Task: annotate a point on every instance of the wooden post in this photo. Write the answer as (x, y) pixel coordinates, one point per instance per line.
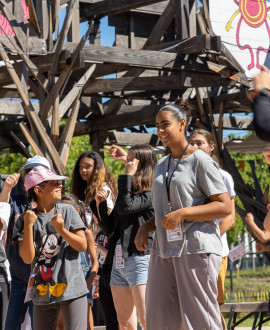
(97, 139)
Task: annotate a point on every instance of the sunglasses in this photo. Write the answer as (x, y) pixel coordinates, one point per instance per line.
(53, 183)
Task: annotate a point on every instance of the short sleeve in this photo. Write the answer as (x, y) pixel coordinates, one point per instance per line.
(76, 221)
(5, 212)
(228, 181)
(209, 176)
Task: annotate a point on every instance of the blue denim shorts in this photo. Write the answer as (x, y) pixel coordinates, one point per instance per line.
(135, 272)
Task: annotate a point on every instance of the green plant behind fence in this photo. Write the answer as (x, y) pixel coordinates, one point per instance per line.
(242, 297)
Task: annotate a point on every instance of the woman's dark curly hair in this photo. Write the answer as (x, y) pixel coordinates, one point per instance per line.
(142, 180)
(86, 191)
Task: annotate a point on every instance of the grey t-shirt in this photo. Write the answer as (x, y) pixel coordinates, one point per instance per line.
(195, 179)
(59, 272)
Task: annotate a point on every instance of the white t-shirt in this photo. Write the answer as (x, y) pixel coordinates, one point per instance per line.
(5, 214)
(228, 181)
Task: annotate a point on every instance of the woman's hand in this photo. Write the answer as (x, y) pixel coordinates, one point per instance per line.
(172, 219)
(101, 196)
(117, 153)
(58, 222)
(262, 80)
(131, 167)
(29, 218)
(141, 238)
(262, 248)
(249, 218)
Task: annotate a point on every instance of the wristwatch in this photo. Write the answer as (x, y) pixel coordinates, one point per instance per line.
(265, 91)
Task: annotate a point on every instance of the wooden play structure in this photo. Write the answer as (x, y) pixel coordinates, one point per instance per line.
(54, 81)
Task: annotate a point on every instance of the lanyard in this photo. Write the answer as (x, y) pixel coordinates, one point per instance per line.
(168, 179)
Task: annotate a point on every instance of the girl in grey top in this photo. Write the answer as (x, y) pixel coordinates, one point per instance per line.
(188, 194)
(53, 235)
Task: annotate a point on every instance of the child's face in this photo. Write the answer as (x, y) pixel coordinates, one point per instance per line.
(51, 190)
(86, 167)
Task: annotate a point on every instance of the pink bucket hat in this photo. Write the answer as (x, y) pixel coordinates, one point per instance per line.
(40, 174)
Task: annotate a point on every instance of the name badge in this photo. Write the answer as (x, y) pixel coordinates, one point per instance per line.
(119, 261)
(175, 234)
(237, 252)
(30, 286)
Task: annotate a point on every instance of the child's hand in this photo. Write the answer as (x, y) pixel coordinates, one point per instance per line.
(29, 218)
(101, 196)
(132, 166)
(117, 153)
(11, 181)
(58, 223)
(249, 218)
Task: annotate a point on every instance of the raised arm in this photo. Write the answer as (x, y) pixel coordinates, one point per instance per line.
(263, 236)
(75, 238)
(27, 248)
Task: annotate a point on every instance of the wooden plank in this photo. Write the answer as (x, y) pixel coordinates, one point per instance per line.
(245, 307)
(60, 40)
(31, 66)
(228, 73)
(200, 107)
(31, 140)
(64, 76)
(161, 26)
(74, 30)
(67, 134)
(55, 123)
(34, 117)
(42, 63)
(181, 18)
(111, 7)
(14, 108)
(56, 17)
(179, 81)
(33, 16)
(76, 90)
(129, 139)
(25, 150)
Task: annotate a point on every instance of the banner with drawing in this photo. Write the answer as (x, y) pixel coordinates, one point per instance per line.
(244, 27)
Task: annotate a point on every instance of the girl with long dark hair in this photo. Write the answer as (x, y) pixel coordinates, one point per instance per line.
(89, 176)
(133, 207)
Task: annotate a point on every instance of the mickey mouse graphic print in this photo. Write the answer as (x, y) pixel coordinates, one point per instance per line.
(57, 264)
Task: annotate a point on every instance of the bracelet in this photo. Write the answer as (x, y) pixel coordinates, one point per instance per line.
(265, 91)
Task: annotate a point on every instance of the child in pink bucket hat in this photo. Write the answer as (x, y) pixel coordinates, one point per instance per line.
(41, 174)
(52, 237)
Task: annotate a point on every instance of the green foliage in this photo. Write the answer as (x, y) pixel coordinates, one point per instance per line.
(11, 163)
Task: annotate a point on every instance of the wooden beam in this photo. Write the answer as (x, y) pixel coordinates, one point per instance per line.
(125, 138)
(25, 150)
(76, 90)
(111, 7)
(63, 79)
(42, 63)
(33, 16)
(32, 114)
(31, 140)
(179, 81)
(61, 39)
(67, 134)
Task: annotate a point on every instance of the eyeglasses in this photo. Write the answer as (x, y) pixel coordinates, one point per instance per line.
(197, 142)
(53, 183)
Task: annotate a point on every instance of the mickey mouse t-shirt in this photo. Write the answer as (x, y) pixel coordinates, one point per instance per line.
(59, 273)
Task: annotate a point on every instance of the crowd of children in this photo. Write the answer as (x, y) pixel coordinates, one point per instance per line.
(155, 240)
